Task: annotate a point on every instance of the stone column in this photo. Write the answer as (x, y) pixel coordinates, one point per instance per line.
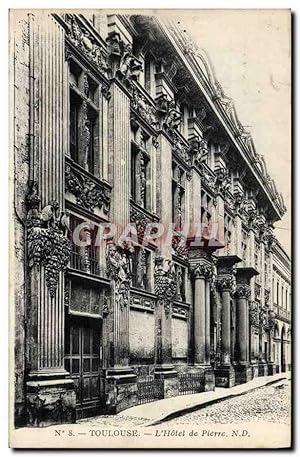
(207, 322)
(243, 370)
(202, 275)
(225, 376)
(49, 389)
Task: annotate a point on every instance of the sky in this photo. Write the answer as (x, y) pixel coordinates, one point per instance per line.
(250, 51)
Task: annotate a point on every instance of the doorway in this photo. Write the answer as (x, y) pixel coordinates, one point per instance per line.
(84, 362)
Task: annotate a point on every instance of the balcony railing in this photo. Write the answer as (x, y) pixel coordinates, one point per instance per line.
(83, 263)
(282, 313)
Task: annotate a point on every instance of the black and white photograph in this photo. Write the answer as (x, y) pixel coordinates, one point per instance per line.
(150, 228)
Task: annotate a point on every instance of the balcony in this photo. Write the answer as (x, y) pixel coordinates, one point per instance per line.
(84, 263)
(282, 313)
(85, 189)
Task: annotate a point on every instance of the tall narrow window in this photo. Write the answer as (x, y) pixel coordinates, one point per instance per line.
(227, 233)
(140, 171)
(178, 195)
(140, 269)
(147, 73)
(74, 116)
(84, 120)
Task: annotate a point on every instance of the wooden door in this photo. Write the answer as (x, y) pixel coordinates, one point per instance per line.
(83, 362)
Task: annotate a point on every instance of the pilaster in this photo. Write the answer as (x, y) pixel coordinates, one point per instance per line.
(50, 391)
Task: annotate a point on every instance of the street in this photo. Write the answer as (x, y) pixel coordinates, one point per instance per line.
(268, 404)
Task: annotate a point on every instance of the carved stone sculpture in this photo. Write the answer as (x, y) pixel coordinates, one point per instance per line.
(165, 282)
(47, 243)
(118, 269)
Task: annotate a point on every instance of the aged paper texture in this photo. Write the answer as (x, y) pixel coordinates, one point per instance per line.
(150, 294)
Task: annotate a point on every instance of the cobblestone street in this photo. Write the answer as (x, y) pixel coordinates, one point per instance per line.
(269, 404)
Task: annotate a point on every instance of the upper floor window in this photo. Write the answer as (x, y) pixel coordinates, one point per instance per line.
(227, 232)
(178, 195)
(84, 119)
(140, 268)
(180, 275)
(277, 293)
(244, 246)
(84, 258)
(206, 210)
(140, 171)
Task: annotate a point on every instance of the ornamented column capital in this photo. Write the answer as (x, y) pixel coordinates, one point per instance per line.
(226, 283)
(243, 291)
(202, 270)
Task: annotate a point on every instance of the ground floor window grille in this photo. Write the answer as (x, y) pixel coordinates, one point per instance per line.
(150, 389)
(191, 383)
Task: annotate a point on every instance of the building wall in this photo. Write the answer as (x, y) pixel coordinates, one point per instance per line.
(111, 132)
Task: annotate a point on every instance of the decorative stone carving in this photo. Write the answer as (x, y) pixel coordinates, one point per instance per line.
(226, 282)
(239, 201)
(38, 410)
(257, 291)
(142, 302)
(263, 318)
(118, 269)
(165, 282)
(47, 244)
(267, 296)
(223, 181)
(127, 66)
(169, 115)
(179, 246)
(86, 43)
(271, 320)
(254, 314)
(202, 270)
(89, 194)
(180, 311)
(199, 150)
(243, 291)
(141, 218)
(181, 150)
(145, 109)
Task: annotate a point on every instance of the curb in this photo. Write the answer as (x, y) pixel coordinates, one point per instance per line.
(198, 406)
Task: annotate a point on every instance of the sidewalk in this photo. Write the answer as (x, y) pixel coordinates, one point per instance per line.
(169, 408)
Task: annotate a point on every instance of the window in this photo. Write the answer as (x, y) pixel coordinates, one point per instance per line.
(147, 73)
(180, 276)
(178, 194)
(227, 233)
(206, 212)
(282, 292)
(84, 258)
(244, 246)
(83, 119)
(277, 293)
(140, 171)
(140, 269)
(286, 299)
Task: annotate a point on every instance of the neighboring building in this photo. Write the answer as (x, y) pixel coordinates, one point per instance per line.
(120, 119)
(281, 300)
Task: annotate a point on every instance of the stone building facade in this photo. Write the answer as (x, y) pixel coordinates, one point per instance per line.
(120, 119)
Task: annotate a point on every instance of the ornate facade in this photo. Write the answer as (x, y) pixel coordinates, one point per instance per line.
(120, 119)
